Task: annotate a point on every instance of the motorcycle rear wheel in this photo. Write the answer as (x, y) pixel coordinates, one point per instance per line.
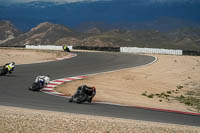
(3, 72)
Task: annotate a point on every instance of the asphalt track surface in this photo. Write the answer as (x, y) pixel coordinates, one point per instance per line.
(14, 88)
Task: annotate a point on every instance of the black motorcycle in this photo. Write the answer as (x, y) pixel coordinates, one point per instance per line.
(4, 71)
(82, 95)
(37, 86)
(78, 97)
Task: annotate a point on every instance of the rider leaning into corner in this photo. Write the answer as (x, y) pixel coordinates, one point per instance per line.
(40, 82)
(10, 67)
(44, 79)
(89, 91)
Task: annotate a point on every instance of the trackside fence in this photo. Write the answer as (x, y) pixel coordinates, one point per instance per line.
(151, 51)
(46, 47)
(120, 49)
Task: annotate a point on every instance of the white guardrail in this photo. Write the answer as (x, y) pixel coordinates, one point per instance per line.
(46, 47)
(122, 49)
(151, 51)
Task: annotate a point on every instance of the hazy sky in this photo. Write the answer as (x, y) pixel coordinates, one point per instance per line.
(22, 1)
(26, 1)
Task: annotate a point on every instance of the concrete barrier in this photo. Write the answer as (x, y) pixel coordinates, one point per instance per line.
(46, 47)
(120, 49)
(191, 52)
(97, 48)
(151, 50)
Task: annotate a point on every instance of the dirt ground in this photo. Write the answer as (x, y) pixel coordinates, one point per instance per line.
(24, 56)
(18, 120)
(127, 86)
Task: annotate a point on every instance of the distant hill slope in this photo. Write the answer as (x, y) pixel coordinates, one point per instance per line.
(43, 34)
(7, 31)
(53, 34)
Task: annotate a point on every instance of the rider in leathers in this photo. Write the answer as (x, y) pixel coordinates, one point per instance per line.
(90, 91)
(43, 79)
(10, 67)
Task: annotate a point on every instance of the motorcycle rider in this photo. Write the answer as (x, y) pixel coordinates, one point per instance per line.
(43, 79)
(65, 48)
(89, 91)
(40, 82)
(10, 67)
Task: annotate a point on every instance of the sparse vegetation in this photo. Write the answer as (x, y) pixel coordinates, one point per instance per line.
(150, 96)
(179, 87)
(144, 94)
(169, 92)
(190, 98)
(190, 101)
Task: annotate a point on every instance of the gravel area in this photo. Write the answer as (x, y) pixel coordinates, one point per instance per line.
(19, 120)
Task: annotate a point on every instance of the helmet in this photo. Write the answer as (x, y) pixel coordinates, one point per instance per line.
(13, 63)
(94, 88)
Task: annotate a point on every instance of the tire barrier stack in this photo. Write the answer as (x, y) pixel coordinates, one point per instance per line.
(121, 49)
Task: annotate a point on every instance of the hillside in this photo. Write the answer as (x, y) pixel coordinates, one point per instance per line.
(46, 33)
(7, 31)
(43, 34)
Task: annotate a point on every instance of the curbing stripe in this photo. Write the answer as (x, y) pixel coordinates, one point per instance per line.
(52, 83)
(50, 87)
(56, 83)
(67, 57)
(47, 89)
(66, 79)
(61, 81)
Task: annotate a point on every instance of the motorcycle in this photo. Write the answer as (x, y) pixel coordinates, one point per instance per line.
(78, 97)
(37, 86)
(66, 49)
(81, 96)
(4, 71)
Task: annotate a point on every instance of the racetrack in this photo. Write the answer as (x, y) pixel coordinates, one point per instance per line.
(14, 88)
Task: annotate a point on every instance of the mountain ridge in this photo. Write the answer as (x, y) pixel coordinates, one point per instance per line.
(54, 34)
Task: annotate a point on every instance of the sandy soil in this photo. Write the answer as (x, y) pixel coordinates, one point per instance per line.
(24, 56)
(126, 86)
(18, 120)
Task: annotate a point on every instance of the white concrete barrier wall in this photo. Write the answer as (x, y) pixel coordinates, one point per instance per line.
(122, 49)
(151, 51)
(46, 47)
